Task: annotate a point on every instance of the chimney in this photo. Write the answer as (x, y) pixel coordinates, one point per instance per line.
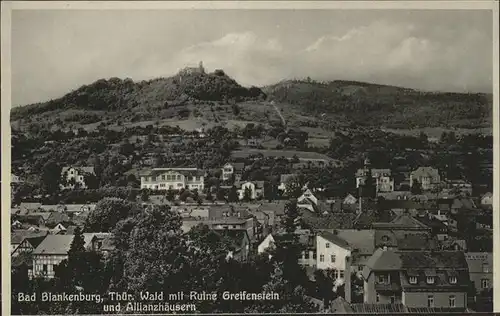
(347, 279)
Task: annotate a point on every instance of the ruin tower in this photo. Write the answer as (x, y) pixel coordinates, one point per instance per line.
(201, 68)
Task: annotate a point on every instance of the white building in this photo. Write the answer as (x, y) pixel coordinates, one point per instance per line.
(173, 179)
(331, 253)
(230, 169)
(256, 189)
(75, 177)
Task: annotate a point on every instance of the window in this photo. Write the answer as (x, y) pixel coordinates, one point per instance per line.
(306, 255)
(413, 280)
(332, 258)
(485, 283)
(360, 268)
(453, 280)
(335, 274)
(378, 298)
(451, 300)
(327, 245)
(163, 177)
(341, 274)
(385, 238)
(45, 268)
(430, 301)
(393, 299)
(321, 258)
(381, 279)
(486, 268)
(430, 280)
(314, 255)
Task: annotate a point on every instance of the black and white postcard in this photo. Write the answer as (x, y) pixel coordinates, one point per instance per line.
(249, 157)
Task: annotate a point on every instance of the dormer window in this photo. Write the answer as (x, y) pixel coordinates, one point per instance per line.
(453, 280)
(430, 280)
(413, 280)
(385, 238)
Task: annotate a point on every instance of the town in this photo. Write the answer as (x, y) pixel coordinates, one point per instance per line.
(370, 222)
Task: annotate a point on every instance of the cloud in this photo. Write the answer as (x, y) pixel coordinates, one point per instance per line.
(49, 60)
(389, 53)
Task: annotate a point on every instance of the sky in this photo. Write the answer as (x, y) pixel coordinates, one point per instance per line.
(56, 51)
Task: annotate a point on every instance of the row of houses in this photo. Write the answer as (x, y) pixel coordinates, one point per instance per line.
(397, 263)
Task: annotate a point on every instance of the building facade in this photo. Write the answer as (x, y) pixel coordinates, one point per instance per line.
(428, 177)
(75, 177)
(173, 179)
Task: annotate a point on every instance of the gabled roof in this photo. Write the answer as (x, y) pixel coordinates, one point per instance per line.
(425, 171)
(402, 221)
(335, 239)
(237, 166)
(361, 240)
(383, 260)
(59, 244)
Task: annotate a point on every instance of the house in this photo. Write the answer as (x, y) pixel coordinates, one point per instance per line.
(30, 219)
(173, 179)
(75, 177)
(390, 234)
(58, 218)
(284, 179)
(232, 168)
(480, 269)
(461, 186)
(331, 253)
(428, 177)
(240, 243)
(307, 198)
(362, 243)
(15, 179)
(18, 237)
(29, 244)
(438, 227)
(382, 177)
(256, 189)
(52, 250)
(350, 200)
(224, 219)
(306, 239)
(417, 279)
(487, 199)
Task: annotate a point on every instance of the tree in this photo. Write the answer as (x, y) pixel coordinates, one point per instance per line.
(91, 181)
(170, 195)
(145, 195)
(51, 175)
(108, 212)
(289, 221)
(233, 195)
(293, 187)
(416, 187)
(247, 194)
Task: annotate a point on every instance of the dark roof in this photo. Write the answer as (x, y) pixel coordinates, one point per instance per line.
(402, 221)
(58, 217)
(416, 242)
(433, 260)
(385, 238)
(35, 241)
(335, 239)
(383, 260)
(361, 240)
(378, 308)
(341, 306)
